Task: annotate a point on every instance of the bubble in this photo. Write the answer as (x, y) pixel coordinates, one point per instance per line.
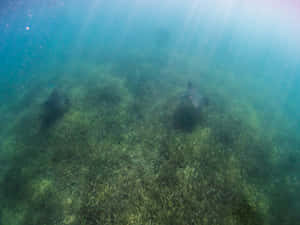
(27, 28)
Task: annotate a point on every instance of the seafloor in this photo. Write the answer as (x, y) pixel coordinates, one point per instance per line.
(117, 155)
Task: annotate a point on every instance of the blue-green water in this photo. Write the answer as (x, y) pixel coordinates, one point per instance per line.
(94, 129)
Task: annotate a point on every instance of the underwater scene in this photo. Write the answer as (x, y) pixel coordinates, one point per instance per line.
(142, 112)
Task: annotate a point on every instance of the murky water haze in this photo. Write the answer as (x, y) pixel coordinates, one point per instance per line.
(251, 41)
(245, 55)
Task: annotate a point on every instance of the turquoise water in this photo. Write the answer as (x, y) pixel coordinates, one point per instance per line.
(92, 125)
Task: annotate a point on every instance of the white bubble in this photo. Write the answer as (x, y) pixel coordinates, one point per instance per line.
(27, 28)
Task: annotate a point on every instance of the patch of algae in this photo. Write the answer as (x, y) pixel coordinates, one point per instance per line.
(40, 187)
(13, 217)
(114, 158)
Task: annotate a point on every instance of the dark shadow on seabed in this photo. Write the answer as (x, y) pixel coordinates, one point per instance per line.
(115, 155)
